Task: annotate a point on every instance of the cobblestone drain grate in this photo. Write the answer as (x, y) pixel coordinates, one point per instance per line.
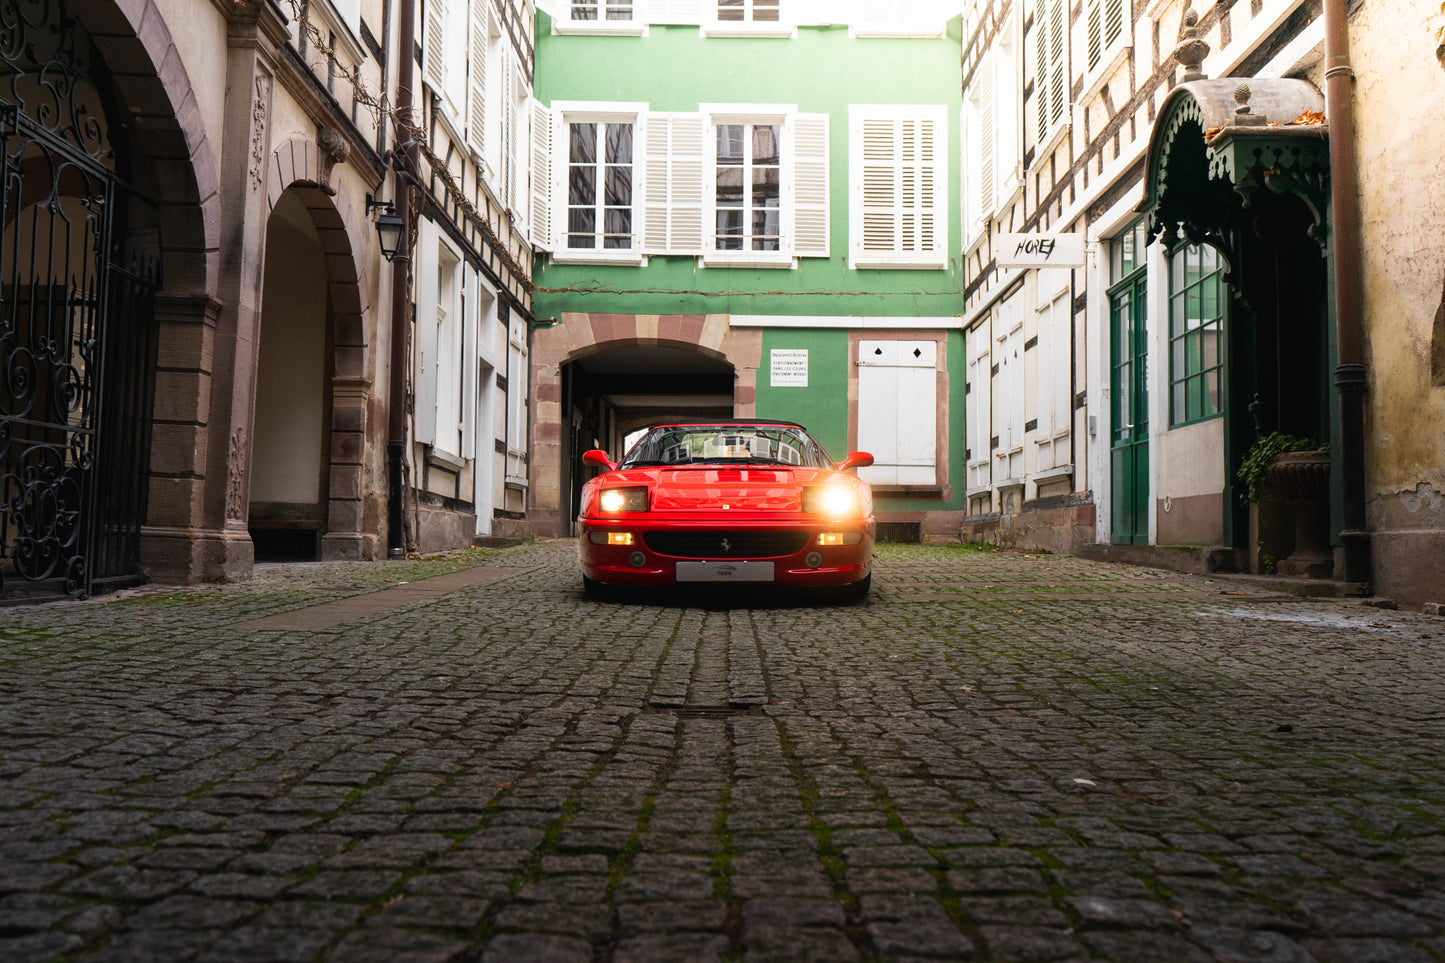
(706, 712)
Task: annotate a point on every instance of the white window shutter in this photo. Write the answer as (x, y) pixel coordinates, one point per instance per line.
(471, 326)
(680, 11)
(434, 48)
(427, 299)
(477, 78)
(987, 114)
(898, 410)
(672, 188)
(542, 177)
(656, 145)
(512, 148)
(877, 190)
(809, 209)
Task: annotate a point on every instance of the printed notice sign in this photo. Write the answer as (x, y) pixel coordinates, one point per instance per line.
(789, 368)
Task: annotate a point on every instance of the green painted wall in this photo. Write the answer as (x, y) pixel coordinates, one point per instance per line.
(821, 71)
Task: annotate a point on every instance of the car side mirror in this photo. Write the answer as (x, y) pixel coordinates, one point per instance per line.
(858, 459)
(599, 459)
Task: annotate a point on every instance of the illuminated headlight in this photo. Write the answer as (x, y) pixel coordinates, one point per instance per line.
(623, 500)
(610, 538)
(840, 538)
(833, 501)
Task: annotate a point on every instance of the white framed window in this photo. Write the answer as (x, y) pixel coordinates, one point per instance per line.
(599, 186)
(747, 18)
(899, 165)
(622, 18)
(440, 329)
(898, 411)
(991, 135)
(1051, 92)
(1054, 374)
(765, 189)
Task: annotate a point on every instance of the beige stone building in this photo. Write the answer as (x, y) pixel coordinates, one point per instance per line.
(211, 356)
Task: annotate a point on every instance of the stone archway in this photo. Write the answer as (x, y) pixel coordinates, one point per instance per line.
(301, 168)
(578, 336)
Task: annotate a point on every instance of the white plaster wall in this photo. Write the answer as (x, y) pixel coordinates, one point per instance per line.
(286, 459)
(1191, 459)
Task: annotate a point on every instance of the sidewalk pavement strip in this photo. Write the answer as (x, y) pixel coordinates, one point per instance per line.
(997, 756)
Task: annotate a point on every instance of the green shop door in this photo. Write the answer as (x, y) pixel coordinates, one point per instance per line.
(1129, 444)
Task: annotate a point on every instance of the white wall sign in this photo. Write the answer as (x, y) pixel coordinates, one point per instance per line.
(788, 368)
(1040, 250)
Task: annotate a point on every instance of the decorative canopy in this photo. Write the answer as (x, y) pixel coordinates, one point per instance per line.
(1239, 135)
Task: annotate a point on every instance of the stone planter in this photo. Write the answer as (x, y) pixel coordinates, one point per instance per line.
(1301, 479)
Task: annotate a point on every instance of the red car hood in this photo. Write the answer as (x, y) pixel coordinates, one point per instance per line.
(759, 489)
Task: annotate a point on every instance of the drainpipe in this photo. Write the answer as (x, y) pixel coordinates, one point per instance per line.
(1350, 370)
(403, 164)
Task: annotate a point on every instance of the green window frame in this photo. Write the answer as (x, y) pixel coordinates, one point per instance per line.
(1197, 303)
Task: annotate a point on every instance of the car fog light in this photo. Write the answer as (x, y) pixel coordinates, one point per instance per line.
(610, 538)
(814, 559)
(637, 560)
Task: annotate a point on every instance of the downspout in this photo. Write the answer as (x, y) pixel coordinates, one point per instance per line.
(404, 166)
(1350, 369)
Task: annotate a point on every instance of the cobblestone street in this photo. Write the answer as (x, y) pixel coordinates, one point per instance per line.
(996, 757)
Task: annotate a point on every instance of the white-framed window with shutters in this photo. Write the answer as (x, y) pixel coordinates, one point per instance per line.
(618, 17)
(445, 41)
(1054, 377)
(991, 134)
(595, 154)
(898, 409)
(1105, 39)
(1051, 89)
(978, 412)
(765, 186)
(441, 327)
(898, 215)
(498, 61)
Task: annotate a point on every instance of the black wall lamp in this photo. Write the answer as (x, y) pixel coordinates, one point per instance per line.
(388, 225)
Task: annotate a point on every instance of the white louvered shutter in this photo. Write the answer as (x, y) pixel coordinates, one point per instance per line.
(679, 11)
(471, 327)
(427, 301)
(878, 186)
(672, 194)
(542, 177)
(809, 209)
(987, 114)
(477, 78)
(512, 150)
(434, 48)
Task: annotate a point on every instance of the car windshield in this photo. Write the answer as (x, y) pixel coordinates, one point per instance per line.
(726, 444)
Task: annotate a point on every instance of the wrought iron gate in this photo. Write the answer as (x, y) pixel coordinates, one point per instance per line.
(77, 328)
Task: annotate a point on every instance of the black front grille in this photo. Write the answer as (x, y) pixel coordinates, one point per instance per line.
(726, 544)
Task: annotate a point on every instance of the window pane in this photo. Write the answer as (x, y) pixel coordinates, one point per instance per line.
(765, 10)
(583, 149)
(618, 187)
(618, 225)
(765, 144)
(581, 185)
(730, 230)
(581, 223)
(730, 10)
(730, 143)
(730, 187)
(1179, 412)
(619, 11)
(619, 143)
(766, 189)
(765, 230)
(584, 10)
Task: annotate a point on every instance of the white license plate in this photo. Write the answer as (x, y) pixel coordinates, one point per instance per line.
(724, 571)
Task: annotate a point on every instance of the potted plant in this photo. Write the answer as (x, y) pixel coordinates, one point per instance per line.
(1295, 471)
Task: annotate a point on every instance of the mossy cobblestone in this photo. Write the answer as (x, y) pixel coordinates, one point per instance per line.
(997, 756)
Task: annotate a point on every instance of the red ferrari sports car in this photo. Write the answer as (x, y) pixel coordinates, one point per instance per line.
(727, 501)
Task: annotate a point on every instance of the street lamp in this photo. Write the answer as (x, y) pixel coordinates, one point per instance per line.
(388, 225)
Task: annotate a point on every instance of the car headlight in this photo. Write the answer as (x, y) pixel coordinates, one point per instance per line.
(831, 500)
(623, 500)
